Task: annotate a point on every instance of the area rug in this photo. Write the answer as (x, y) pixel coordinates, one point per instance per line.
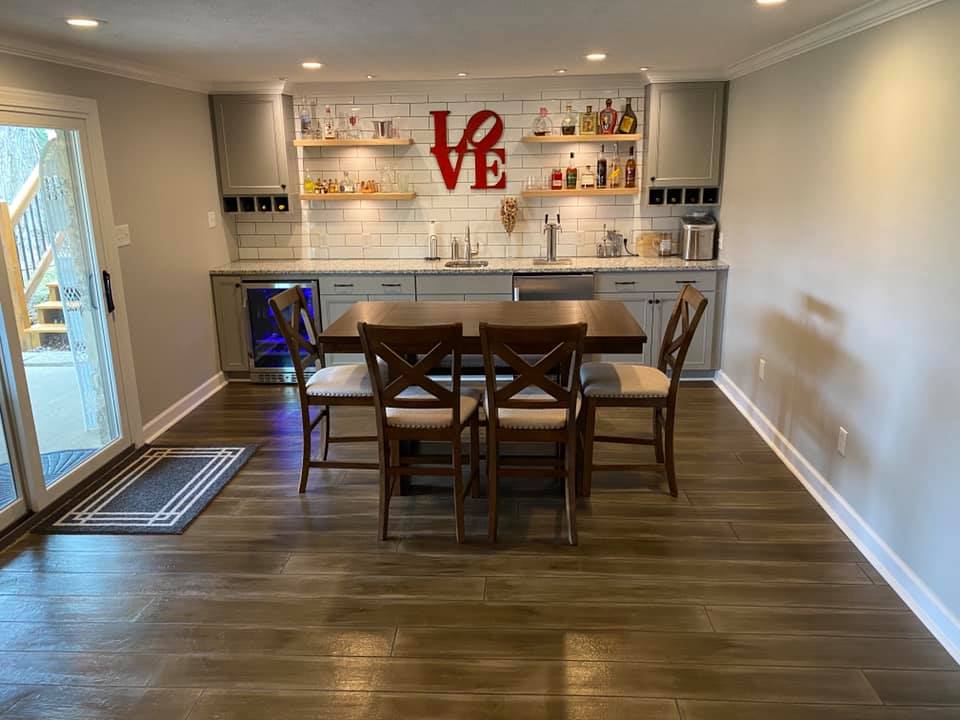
(158, 491)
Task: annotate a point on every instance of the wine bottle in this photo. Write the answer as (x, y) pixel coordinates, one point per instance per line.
(630, 173)
(628, 122)
(602, 168)
(571, 174)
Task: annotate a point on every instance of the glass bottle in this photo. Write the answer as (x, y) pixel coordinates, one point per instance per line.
(556, 179)
(306, 122)
(602, 168)
(347, 185)
(588, 122)
(309, 187)
(571, 174)
(588, 180)
(628, 123)
(608, 119)
(568, 126)
(329, 124)
(630, 174)
(542, 125)
(615, 173)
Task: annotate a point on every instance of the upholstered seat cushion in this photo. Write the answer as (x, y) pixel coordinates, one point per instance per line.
(340, 381)
(531, 418)
(622, 380)
(432, 418)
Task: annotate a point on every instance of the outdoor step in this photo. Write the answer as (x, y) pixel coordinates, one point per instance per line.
(47, 328)
(50, 305)
(53, 288)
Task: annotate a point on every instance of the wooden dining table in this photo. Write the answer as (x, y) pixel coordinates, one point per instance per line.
(610, 326)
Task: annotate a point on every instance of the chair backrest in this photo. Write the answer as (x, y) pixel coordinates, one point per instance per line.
(679, 332)
(533, 355)
(291, 311)
(408, 355)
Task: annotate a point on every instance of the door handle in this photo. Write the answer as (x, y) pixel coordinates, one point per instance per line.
(108, 292)
(343, 285)
(389, 285)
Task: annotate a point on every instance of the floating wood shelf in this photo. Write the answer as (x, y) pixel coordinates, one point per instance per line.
(336, 197)
(355, 142)
(581, 138)
(583, 192)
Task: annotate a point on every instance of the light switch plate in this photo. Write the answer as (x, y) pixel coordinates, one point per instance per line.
(121, 235)
(211, 219)
(842, 442)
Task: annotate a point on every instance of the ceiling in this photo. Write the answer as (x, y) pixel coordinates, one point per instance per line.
(211, 42)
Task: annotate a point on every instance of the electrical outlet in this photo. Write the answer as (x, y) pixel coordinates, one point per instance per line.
(842, 442)
(121, 235)
(762, 370)
(211, 219)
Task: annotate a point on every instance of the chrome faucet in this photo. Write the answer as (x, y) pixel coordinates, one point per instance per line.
(469, 252)
(552, 231)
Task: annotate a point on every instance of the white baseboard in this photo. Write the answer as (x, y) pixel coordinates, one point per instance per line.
(936, 616)
(173, 414)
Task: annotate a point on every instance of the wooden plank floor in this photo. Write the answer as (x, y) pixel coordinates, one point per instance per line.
(739, 599)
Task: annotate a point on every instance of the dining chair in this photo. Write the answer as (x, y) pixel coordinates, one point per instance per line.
(412, 406)
(627, 385)
(537, 404)
(319, 385)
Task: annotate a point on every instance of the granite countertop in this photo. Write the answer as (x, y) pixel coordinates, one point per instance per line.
(436, 267)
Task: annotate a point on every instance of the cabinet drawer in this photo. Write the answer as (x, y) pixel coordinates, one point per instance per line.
(658, 281)
(367, 284)
(461, 284)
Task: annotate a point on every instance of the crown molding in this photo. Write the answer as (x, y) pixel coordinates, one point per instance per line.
(131, 71)
(851, 23)
(663, 76)
(242, 88)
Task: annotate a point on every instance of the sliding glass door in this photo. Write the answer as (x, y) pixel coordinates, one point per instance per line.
(61, 377)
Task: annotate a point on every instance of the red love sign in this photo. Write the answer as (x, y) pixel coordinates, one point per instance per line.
(441, 150)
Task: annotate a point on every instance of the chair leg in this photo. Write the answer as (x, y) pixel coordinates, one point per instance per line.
(570, 488)
(457, 461)
(386, 490)
(658, 435)
(475, 456)
(668, 450)
(492, 465)
(589, 412)
(305, 462)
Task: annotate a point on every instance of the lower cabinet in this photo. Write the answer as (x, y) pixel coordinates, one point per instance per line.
(232, 327)
(333, 306)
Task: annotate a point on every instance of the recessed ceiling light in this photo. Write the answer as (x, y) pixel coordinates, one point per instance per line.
(644, 69)
(561, 71)
(596, 56)
(461, 74)
(84, 22)
(771, 2)
(312, 65)
(370, 76)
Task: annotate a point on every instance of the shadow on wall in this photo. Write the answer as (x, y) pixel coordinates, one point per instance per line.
(805, 356)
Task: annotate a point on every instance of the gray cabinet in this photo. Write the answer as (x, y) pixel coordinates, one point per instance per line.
(640, 305)
(684, 134)
(231, 323)
(700, 353)
(333, 306)
(254, 151)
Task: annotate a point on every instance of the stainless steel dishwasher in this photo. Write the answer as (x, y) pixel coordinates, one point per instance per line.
(559, 286)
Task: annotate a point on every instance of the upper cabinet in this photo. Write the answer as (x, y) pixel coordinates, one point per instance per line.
(253, 149)
(685, 123)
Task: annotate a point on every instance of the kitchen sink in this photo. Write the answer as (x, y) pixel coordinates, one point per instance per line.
(466, 263)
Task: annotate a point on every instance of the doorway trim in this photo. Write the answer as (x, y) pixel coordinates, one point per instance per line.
(39, 104)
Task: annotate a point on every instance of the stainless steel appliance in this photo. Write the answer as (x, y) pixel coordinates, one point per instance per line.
(270, 360)
(561, 286)
(699, 232)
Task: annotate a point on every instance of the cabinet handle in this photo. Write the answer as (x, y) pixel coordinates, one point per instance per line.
(649, 302)
(685, 282)
(656, 302)
(632, 282)
(391, 285)
(344, 285)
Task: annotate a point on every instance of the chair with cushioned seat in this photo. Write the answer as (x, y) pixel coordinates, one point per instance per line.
(412, 406)
(533, 406)
(326, 387)
(623, 385)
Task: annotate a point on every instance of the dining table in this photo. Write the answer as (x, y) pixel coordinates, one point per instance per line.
(611, 328)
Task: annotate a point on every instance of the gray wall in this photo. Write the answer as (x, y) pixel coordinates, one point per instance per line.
(159, 154)
(842, 183)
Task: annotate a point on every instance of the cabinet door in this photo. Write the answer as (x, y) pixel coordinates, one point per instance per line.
(700, 354)
(641, 306)
(331, 308)
(251, 144)
(231, 323)
(684, 133)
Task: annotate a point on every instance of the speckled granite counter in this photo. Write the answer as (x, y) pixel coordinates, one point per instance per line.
(436, 267)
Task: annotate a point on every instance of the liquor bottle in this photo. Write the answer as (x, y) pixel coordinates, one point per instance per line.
(306, 122)
(602, 168)
(630, 174)
(628, 123)
(568, 126)
(588, 181)
(309, 187)
(608, 119)
(556, 179)
(571, 174)
(588, 122)
(347, 185)
(615, 173)
(329, 124)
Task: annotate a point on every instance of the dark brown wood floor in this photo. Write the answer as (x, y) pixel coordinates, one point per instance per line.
(739, 599)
